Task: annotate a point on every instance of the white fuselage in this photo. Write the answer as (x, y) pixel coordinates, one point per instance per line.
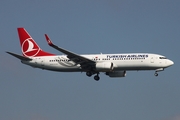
(132, 61)
(113, 65)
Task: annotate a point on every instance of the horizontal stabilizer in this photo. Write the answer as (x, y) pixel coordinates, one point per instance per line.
(19, 56)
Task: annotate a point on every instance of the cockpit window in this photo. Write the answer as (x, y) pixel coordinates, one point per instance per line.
(162, 58)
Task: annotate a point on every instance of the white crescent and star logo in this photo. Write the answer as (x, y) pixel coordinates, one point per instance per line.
(29, 48)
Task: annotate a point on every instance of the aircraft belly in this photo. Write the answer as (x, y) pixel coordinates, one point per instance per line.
(57, 67)
(139, 65)
(134, 68)
(65, 70)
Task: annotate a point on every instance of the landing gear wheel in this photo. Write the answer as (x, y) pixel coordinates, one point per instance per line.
(96, 77)
(156, 74)
(89, 74)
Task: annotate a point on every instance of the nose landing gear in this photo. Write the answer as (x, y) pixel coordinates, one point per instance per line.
(158, 70)
(156, 74)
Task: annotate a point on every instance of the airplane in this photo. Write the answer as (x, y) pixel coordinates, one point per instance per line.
(113, 65)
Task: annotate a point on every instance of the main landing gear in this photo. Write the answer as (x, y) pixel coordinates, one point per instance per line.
(96, 77)
(89, 74)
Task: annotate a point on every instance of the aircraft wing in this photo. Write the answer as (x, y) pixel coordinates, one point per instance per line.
(19, 56)
(83, 61)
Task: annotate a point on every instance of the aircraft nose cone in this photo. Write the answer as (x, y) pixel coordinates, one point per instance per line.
(171, 63)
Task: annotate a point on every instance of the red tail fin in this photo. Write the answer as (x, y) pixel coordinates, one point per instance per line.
(29, 47)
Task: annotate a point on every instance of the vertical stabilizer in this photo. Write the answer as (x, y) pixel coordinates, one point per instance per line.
(28, 46)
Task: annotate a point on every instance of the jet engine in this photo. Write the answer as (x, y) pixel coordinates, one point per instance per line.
(116, 74)
(104, 66)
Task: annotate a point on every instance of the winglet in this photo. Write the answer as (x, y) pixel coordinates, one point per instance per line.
(48, 40)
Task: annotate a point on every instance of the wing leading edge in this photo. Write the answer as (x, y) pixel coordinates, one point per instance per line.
(83, 61)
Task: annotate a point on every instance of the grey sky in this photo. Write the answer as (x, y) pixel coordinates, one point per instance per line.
(107, 26)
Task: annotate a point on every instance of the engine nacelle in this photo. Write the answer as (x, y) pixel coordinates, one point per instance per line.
(104, 66)
(116, 74)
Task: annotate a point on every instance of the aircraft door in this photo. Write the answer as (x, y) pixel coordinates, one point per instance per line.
(152, 60)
